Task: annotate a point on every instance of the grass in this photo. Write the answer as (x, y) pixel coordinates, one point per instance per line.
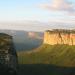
(48, 60)
(59, 55)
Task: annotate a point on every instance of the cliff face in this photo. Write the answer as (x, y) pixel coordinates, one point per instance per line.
(53, 37)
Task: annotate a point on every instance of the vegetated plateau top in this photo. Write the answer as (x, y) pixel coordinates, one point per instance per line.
(61, 31)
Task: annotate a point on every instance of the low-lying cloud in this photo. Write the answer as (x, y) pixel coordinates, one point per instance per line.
(34, 35)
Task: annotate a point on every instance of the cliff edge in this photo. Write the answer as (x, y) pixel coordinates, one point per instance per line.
(58, 49)
(59, 36)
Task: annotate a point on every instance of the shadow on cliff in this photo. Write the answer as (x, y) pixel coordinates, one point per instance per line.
(40, 69)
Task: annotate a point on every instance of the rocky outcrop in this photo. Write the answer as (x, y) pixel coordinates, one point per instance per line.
(59, 36)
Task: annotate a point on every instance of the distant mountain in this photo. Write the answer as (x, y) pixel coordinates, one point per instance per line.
(23, 41)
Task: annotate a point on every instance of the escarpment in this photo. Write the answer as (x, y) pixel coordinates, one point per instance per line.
(59, 36)
(58, 49)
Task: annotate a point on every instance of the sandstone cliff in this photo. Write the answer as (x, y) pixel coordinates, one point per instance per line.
(59, 36)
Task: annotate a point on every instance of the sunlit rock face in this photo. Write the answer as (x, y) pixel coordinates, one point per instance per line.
(59, 36)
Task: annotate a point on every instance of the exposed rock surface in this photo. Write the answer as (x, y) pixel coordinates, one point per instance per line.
(59, 36)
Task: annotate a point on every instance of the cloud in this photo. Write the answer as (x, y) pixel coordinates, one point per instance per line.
(34, 35)
(60, 5)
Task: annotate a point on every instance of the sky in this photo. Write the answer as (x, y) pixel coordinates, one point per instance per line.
(60, 11)
(22, 10)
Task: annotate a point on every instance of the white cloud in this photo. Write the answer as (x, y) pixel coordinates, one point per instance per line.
(60, 5)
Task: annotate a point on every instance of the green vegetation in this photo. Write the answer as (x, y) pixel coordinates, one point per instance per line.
(59, 55)
(61, 31)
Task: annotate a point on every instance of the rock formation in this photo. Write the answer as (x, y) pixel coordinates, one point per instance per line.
(59, 36)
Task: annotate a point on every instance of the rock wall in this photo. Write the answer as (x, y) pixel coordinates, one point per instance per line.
(53, 37)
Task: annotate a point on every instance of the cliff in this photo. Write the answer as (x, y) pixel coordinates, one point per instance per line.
(59, 36)
(53, 51)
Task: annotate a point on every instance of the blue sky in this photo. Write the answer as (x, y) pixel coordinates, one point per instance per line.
(22, 9)
(60, 11)
(11, 10)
